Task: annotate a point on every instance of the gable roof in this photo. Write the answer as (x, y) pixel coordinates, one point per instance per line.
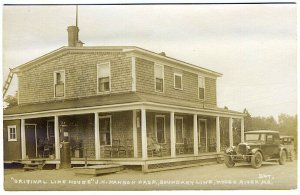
(125, 49)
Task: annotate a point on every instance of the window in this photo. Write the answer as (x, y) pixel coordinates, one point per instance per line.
(179, 129)
(201, 87)
(160, 128)
(177, 81)
(12, 133)
(105, 130)
(269, 139)
(159, 77)
(59, 83)
(103, 75)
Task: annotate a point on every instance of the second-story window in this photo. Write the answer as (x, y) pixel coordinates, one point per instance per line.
(201, 87)
(103, 75)
(59, 83)
(159, 77)
(177, 81)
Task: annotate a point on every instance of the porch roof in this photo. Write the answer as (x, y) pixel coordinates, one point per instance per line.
(111, 99)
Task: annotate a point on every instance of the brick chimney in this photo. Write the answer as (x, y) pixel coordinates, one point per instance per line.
(73, 32)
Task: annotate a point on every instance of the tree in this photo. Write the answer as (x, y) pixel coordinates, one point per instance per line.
(11, 100)
(247, 120)
(287, 125)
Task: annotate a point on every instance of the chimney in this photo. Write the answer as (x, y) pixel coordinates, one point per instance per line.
(73, 36)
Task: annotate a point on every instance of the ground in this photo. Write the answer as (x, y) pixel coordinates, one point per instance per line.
(217, 176)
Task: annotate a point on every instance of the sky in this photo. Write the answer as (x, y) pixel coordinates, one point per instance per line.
(252, 45)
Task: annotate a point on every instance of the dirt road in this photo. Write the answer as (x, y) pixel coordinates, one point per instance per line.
(269, 176)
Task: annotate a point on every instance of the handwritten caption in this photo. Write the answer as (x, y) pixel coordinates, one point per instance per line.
(262, 179)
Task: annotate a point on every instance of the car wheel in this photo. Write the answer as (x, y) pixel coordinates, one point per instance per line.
(282, 157)
(228, 162)
(256, 160)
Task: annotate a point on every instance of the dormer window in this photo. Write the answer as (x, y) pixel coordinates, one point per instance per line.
(103, 75)
(201, 87)
(59, 83)
(159, 77)
(177, 81)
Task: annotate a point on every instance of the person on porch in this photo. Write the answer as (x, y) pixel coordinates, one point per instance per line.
(153, 144)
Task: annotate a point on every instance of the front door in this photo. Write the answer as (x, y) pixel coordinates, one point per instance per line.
(31, 141)
(105, 130)
(160, 129)
(202, 135)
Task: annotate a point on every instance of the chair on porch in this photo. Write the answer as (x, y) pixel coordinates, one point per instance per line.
(115, 148)
(188, 145)
(212, 144)
(46, 148)
(180, 148)
(128, 147)
(156, 149)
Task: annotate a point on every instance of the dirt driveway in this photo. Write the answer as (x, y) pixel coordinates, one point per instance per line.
(269, 176)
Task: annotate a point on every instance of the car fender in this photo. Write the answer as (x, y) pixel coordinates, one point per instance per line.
(255, 150)
(282, 149)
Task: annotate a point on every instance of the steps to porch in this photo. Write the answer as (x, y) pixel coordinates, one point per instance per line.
(98, 169)
(34, 165)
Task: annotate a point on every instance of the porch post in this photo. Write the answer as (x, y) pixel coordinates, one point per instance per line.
(134, 134)
(23, 139)
(195, 135)
(97, 136)
(144, 134)
(172, 135)
(230, 132)
(242, 129)
(56, 135)
(218, 143)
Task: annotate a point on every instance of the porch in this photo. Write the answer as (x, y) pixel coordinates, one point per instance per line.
(152, 164)
(126, 135)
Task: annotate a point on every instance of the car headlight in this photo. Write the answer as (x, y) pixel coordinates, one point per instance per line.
(248, 147)
(230, 150)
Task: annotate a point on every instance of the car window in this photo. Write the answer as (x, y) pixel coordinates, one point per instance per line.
(269, 139)
(263, 137)
(252, 137)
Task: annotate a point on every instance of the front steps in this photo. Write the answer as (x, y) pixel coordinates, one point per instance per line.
(34, 165)
(98, 169)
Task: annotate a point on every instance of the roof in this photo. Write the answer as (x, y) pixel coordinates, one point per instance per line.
(286, 136)
(111, 99)
(261, 131)
(125, 49)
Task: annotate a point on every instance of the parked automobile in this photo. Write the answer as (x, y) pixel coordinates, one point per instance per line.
(259, 146)
(288, 143)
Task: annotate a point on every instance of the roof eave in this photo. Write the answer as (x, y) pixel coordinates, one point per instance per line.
(150, 53)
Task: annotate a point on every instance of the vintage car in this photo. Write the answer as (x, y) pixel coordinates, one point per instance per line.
(288, 143)
(259, 146)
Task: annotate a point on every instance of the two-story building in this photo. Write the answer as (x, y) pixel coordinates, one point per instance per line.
(120, 104)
